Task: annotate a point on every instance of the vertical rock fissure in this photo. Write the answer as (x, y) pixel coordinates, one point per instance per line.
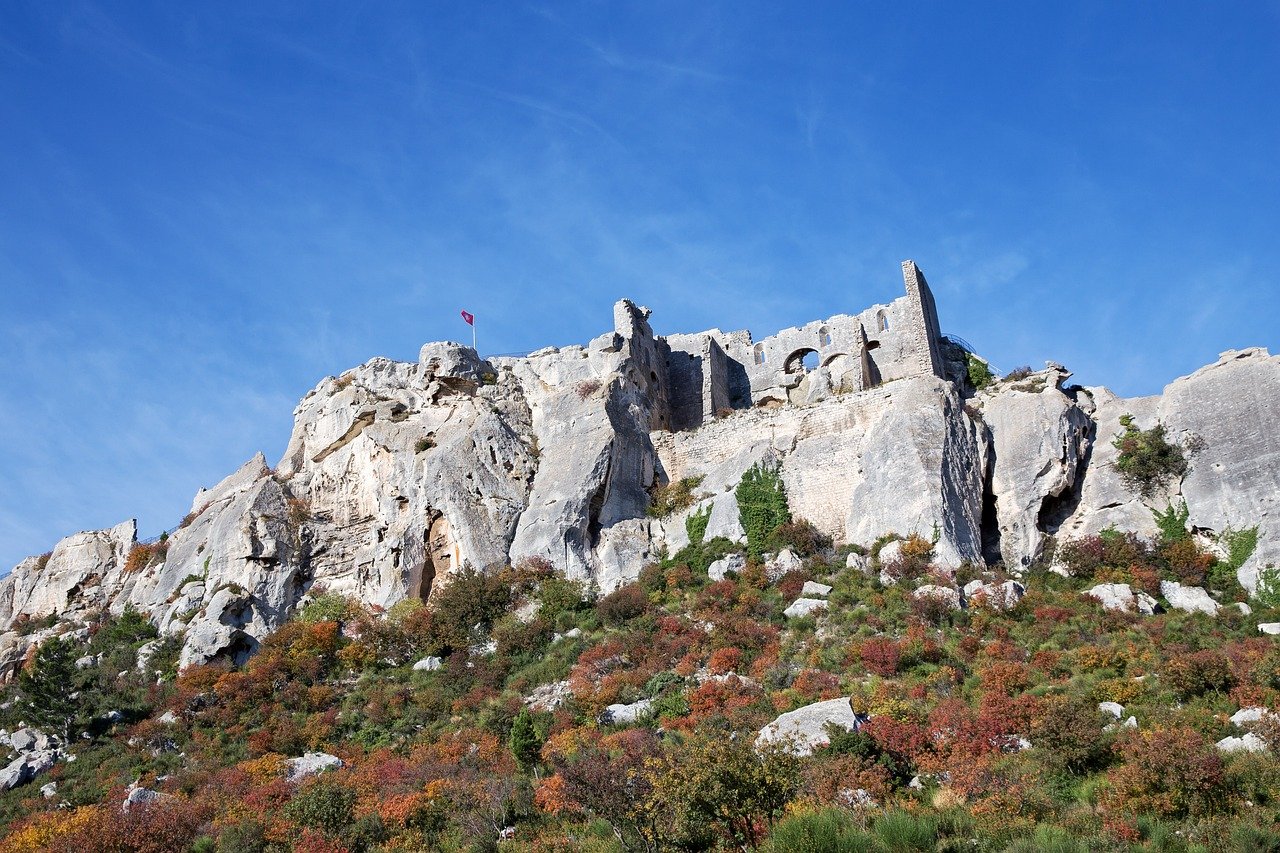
(990, 524)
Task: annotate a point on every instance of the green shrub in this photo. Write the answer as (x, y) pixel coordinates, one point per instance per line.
(1240, 545)
(1147, 459)
(801, 537)
(762, 506)
(668, 499)
(1048, 839)
(827, 831)
(325, 607)
(980, 375)
(696, 525)
(1173, 523)
(1268, 592)
(902, 832)
(325, 805)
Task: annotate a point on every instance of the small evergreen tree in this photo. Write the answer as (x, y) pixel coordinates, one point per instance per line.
(524, 742)
(47, 687)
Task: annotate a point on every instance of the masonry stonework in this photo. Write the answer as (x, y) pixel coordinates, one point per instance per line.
(709, 372)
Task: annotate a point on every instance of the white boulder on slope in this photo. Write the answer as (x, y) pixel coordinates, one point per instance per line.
(805, 729)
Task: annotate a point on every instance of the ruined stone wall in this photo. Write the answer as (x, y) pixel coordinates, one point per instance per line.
(845, 353)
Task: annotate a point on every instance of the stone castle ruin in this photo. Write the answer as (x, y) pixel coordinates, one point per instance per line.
(714, 371)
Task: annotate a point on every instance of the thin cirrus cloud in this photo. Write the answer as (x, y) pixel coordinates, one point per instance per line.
(208, 209)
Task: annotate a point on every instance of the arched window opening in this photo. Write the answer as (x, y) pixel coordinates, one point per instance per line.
(882, 321)
(824, 337)
(760, 356)
(802, 360)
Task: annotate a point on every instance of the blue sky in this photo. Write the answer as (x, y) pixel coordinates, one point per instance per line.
(207, 208)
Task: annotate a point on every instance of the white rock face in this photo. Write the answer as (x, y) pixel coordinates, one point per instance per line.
(804, 729)
(1272, 628)
(1119, 596)
(898, 458)
(1234, 480)
(398, 474)
(428, 664)
(855, 561)
(1192, 599)
(1039, 439)
(804, 607)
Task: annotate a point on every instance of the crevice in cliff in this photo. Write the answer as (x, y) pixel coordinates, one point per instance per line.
(362, 420)
(596, 506)
(990, 525)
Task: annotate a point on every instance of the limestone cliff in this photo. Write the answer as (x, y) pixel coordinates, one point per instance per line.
(396, 474)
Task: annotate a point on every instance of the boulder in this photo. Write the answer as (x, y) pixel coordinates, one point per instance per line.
(718, 570)
(785, 561)
(623, 714)
(805, 729)
(140, 797)
(855, 561)
(804, 607)
(1119, 596)
(1248, 742)
(944, 594)
(999, 596)
(1192, 599)
(49, 790)
(1246, 716)
(311, 763)
(1115, 709)
(28, 740)
(812, 588)
(431, 663)
(890, 552)
(26, 767)
(1272, 628)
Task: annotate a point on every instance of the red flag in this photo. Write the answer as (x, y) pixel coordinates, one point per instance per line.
(469, 317)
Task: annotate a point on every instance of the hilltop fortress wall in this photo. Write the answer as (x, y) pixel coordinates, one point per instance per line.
(713, 371)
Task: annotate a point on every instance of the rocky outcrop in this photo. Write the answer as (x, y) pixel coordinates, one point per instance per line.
(1119, 596)
(1039, 440)
(1223, 413)
(901, 458)
(398, 474)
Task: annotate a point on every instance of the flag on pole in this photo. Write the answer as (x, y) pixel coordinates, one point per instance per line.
(469, 317)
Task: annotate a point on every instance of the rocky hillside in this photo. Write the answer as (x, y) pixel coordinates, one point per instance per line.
(398, 474)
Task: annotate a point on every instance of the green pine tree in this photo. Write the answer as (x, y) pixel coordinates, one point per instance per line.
(524, 741)
(47, 687)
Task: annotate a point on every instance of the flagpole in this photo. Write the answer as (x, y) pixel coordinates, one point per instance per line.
(473, 337)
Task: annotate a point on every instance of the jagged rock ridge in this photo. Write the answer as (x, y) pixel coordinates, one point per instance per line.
(396, 474)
